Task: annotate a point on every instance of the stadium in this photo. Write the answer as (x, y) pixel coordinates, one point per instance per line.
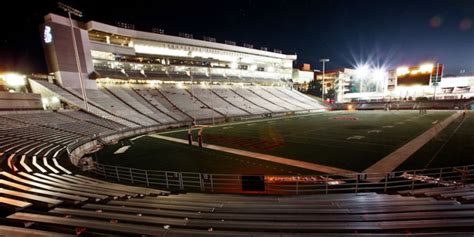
(135, 133)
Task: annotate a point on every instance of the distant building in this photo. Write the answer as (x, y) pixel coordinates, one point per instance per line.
(337, 79)
(302, 76)
(110, 52)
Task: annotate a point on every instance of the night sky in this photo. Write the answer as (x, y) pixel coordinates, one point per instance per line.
(382, 32)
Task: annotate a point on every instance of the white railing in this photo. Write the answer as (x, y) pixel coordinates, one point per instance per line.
(284, 184)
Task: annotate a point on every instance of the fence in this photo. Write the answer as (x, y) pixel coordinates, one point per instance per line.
(284, 184)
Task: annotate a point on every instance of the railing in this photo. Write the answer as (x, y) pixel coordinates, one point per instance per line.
(284, 184)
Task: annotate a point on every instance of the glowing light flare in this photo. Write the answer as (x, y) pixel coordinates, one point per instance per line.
(402, 71)
(428, 68)
(362, 71)
(14, 79)
(379, 73)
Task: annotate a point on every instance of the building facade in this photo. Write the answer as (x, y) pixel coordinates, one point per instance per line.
(106, 51)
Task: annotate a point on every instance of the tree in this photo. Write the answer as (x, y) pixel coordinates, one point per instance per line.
(331, 94)
(314, 88)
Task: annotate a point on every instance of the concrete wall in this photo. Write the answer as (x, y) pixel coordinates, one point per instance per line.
(19, 101)
(60, 55)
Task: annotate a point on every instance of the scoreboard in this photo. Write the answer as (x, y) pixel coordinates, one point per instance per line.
(423, 75)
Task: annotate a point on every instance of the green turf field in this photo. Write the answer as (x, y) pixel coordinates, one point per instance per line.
(154, 154)
(347, 140)
(454, 146)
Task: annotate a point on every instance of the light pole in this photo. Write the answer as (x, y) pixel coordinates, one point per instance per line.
(324, 61)
(70, 10)
(212, 96)
(192, 91)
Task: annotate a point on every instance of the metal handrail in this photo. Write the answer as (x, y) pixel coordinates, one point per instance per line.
(286, 184)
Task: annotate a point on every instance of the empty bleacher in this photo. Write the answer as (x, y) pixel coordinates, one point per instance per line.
(113, 209)
(238, 101)
(217, 103)
(183, 100)
(52, 198)
(143, 105)
(114, 106)
(257, 100)
(73, 98)
(128, 96)
(154, 97)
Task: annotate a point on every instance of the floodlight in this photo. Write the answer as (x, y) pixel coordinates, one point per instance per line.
(14, 79)
(402, 71)
(379, 74)
(426, 68)
(362, 71)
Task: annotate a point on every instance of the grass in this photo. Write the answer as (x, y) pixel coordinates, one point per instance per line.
(155, 154)
(321, 138)
(454, 146)
(325, 138)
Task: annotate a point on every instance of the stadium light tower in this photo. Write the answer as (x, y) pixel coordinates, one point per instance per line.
(210, 89)
(72, 11)
(324, 61)
(361, 72)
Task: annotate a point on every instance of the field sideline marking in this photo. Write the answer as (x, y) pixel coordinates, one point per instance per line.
(397, 157)
(251, 121)
(260, 156)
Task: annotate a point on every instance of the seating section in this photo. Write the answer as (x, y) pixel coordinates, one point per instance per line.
(115, 106)
(41, 194)
(464, 193)
(156, 99)
(211, 100)
(137, 105)
(238, 101)
(183, 100)
(258, 100)
(133, 100)
(74, 98)
(33, 141)
(62, 203)
(19, 101)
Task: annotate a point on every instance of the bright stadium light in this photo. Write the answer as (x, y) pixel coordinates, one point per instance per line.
(362, 71)
(426, 68)
(402, 71)
(14, 79)
(379, 73)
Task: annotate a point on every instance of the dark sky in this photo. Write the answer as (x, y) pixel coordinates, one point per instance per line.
(390, 32)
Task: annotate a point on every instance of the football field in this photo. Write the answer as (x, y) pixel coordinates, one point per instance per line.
(351, 141)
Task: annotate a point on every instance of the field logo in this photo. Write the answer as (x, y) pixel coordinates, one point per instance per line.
(47, 36)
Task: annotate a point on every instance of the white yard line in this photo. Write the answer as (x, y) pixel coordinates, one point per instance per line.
(260, 156)
(396, 158)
